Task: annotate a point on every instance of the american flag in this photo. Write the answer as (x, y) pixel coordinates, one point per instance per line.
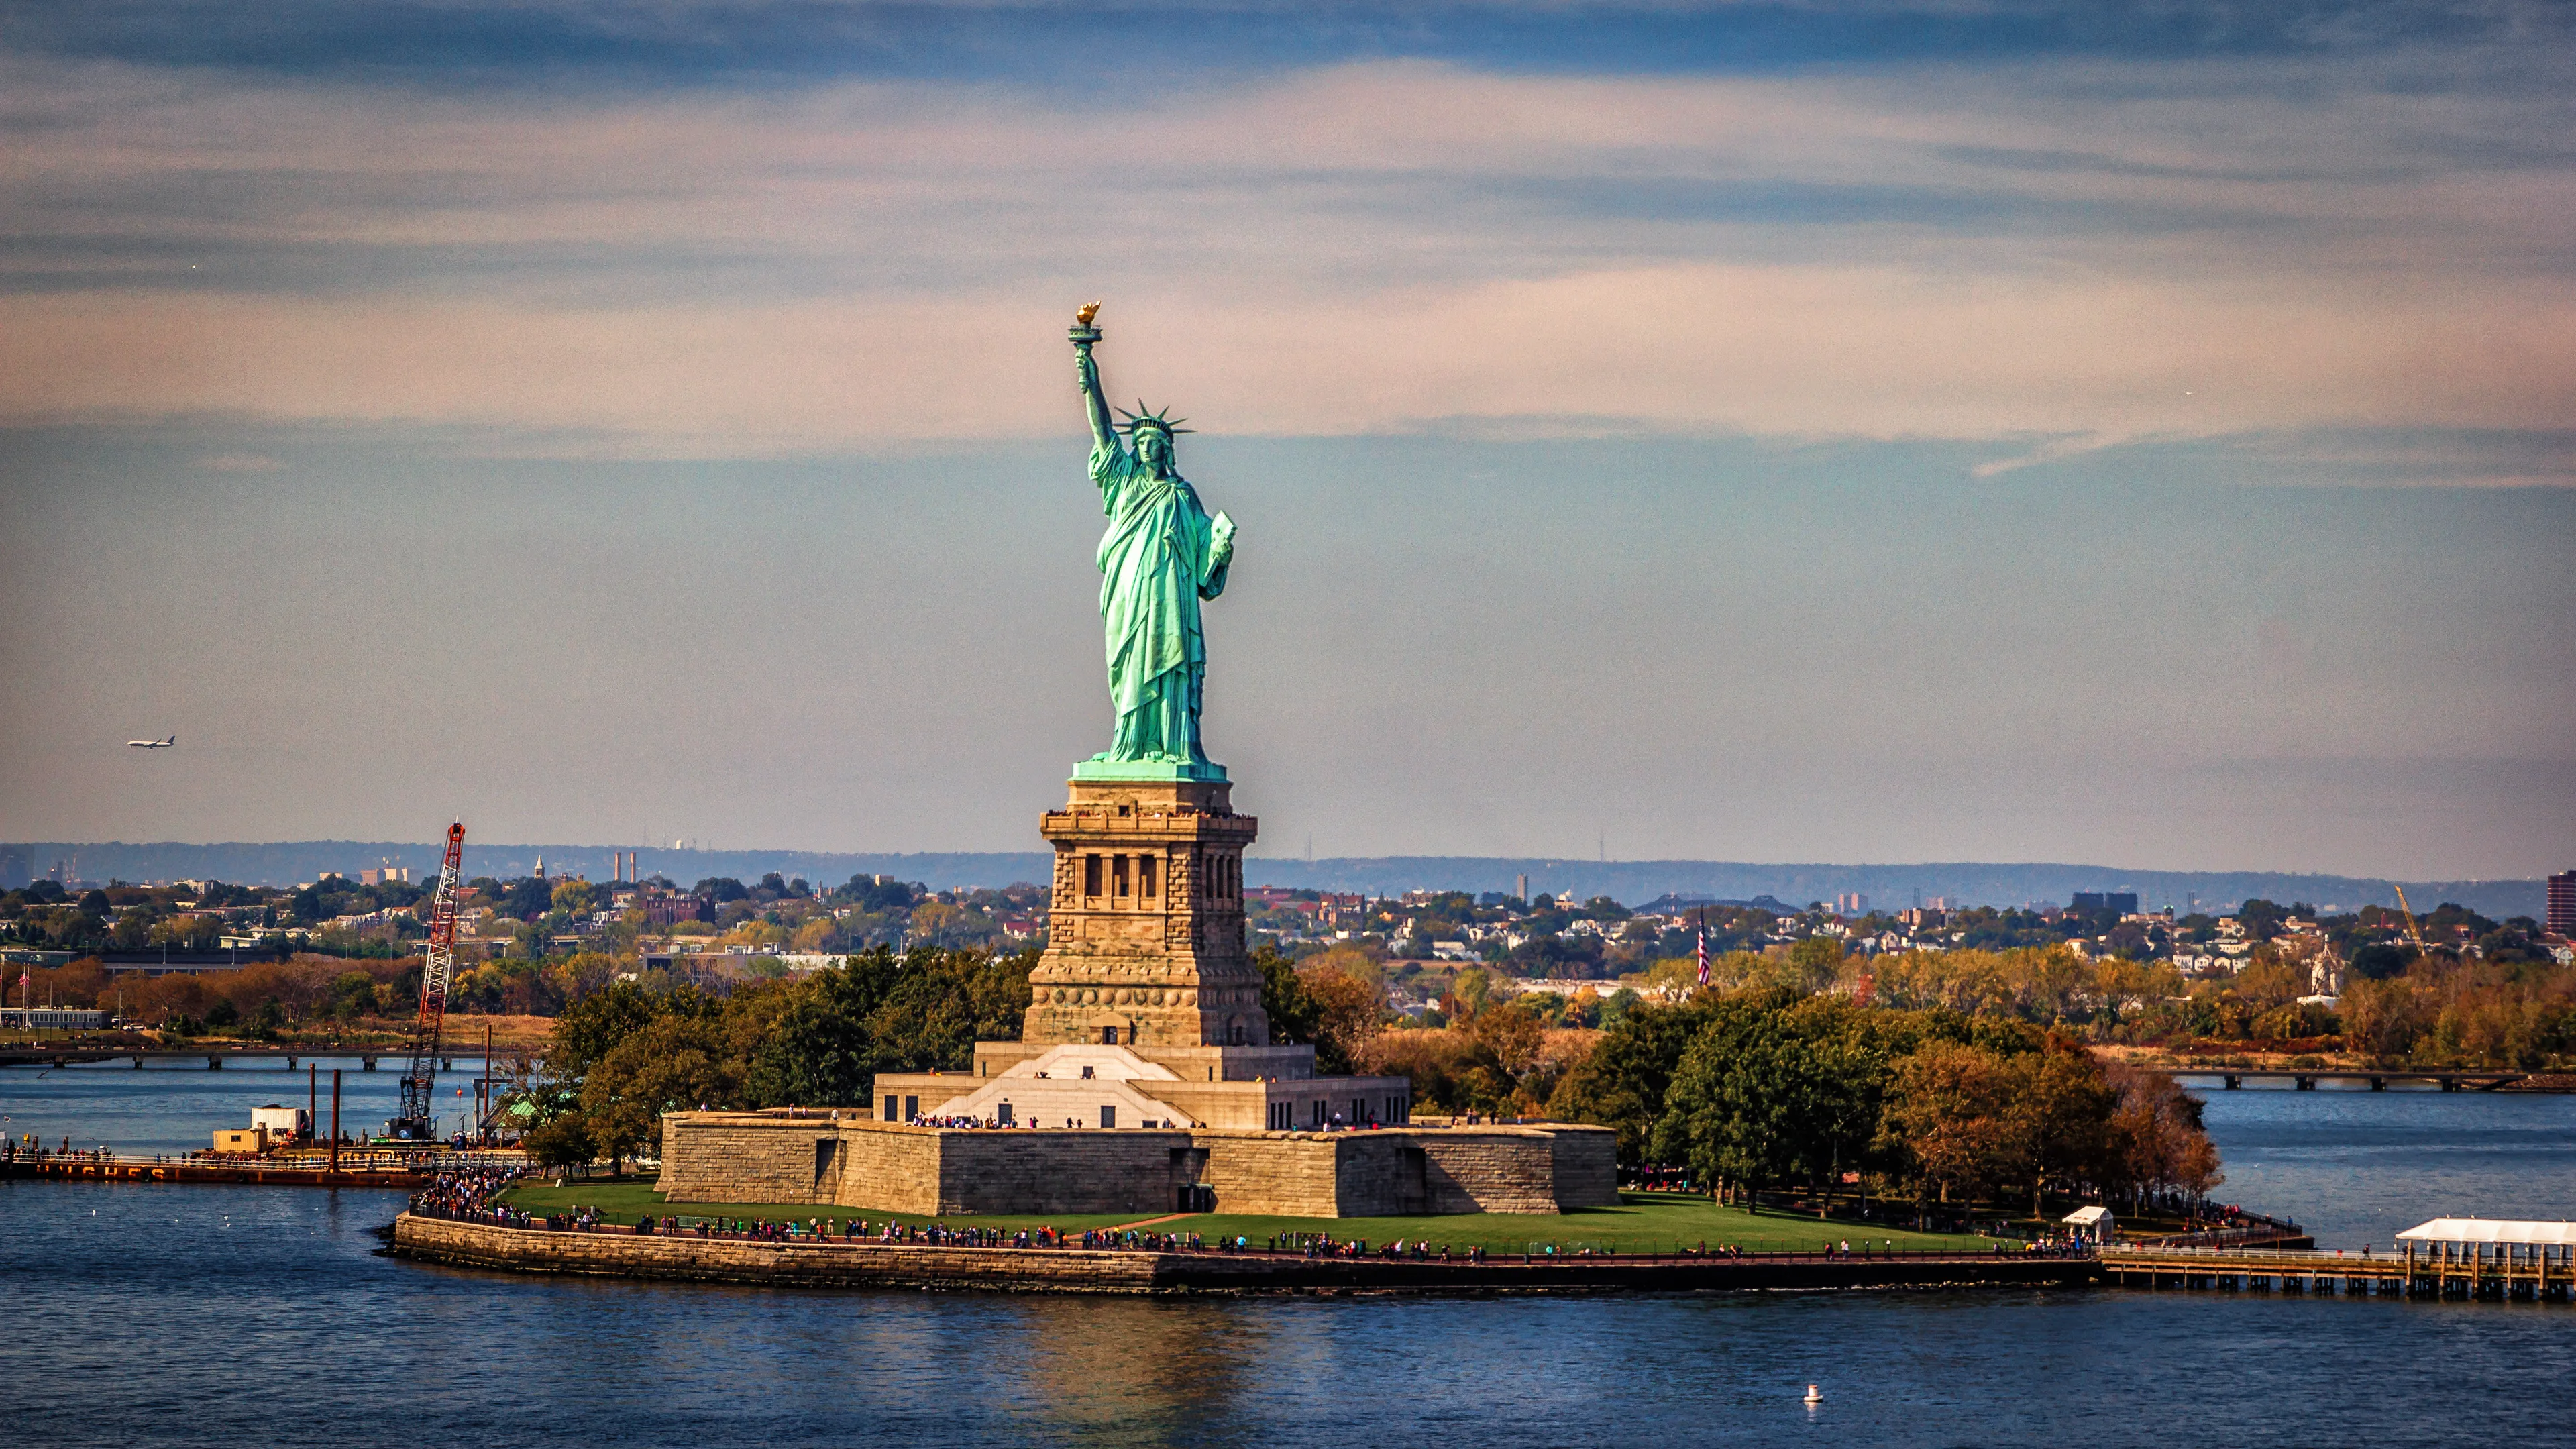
(1702, 953)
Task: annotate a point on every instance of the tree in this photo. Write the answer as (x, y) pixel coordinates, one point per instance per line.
(1294, 1014)
(1950, 1114)
(2065, 1118)
(560, 1140)
(525, 899)
(1772, 1088)
(592, 1027)
(1622, 1083)
(1449, 1069)
(574, 898)
(2382, 1019)
(1815, 962)
(2157, 1136)
(675, 1063)
(1350, 1006)
(819, 1049)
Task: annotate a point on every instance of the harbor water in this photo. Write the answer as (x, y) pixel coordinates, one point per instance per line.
(149, 1315)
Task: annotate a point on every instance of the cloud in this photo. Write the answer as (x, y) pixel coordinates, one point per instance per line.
(2049, 256)
(239, 463)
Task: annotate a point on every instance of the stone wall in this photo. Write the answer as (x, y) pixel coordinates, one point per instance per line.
(1058, 1172)
(892, 1167)
(766, 1157)
(747, 1157)
(1494, 1172)
(1585, 1166)
(1272, 1174)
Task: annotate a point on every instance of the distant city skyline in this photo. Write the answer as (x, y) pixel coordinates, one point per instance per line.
(1887, 885)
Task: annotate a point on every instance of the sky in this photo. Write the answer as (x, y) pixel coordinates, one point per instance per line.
(1835, 431)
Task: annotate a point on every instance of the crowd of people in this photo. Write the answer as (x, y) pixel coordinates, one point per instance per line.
(1324, 1245)
(467, 1195)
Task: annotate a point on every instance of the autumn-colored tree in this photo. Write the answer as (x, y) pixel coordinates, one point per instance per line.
(2382, 1019)
(1350, 1006)
(1951, 1114)
(2157, 1136)
(1449, 1068)
(2064, 1116)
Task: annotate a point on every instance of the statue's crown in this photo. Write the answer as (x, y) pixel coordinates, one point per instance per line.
(1139, 420)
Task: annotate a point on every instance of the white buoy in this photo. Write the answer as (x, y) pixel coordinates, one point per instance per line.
(1814, 1396)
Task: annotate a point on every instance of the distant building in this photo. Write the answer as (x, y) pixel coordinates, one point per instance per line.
(1851, 903)
(51, 1018)
(17, 864)
(671, 910)
(2562, 903)
(2124, 902)
(388, 875)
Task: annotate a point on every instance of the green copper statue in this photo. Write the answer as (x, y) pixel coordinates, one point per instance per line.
(1161, 555)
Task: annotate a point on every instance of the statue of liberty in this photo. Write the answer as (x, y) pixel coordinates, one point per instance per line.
(1161, 555)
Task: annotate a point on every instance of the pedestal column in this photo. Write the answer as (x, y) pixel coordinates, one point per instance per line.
(1145, 942)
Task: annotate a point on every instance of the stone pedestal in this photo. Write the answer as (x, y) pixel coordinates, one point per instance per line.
(1145, 944)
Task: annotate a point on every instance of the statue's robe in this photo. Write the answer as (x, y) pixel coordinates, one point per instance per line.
(1161, 555)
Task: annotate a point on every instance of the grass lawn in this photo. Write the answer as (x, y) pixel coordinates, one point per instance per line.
(1643, 1222)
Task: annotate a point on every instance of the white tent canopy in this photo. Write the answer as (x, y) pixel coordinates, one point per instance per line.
(2491, 1230)
(2087, 1216)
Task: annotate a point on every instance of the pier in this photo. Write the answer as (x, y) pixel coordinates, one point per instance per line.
(2455, 1258)
(356, 1167)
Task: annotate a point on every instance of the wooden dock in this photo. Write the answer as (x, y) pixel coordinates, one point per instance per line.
(2492, 1274)
(250, 1171)
(309, 1167)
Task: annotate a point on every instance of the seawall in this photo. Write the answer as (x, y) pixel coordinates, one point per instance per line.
(678, 1257)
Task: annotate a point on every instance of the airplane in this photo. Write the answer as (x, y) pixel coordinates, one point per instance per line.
(152, 744)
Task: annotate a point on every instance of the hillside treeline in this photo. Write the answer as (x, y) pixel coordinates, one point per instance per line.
(2512, 1009)
(261, 1000)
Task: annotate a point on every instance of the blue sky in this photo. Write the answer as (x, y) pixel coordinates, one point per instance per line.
(1865, 432)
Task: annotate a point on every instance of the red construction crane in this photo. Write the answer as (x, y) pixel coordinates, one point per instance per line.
(419, 1119)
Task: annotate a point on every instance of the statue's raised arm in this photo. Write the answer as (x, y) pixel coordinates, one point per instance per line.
(1086, 374)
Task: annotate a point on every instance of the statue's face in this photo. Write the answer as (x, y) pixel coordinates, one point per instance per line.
(1153, 447)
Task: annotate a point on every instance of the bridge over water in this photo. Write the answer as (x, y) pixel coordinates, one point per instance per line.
(2305, 1079)
(217, 1058)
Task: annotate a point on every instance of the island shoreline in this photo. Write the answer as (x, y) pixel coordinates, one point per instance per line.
(947, 1267)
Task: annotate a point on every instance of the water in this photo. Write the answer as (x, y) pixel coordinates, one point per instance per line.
(2356, 1166)
(170, 1108)
(144, 1315)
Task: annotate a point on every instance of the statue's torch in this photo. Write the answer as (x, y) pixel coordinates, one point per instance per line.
(1082, 332)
